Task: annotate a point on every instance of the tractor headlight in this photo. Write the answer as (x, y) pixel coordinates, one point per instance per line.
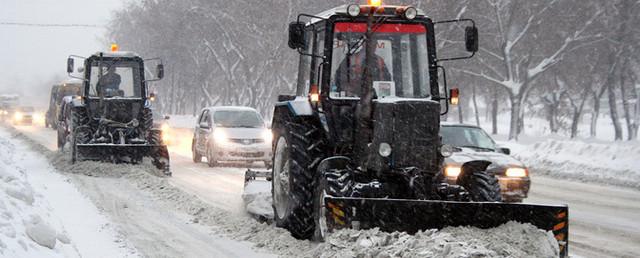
(410, 13)
(353, 10)
(446, 150)
(267, 136)
(384, 150)
(452, 171)
(220, 136)
(516, 172)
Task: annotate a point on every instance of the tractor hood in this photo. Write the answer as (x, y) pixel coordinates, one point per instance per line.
(496, 158)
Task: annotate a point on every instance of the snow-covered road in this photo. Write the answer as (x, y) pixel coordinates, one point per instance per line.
(603, 218)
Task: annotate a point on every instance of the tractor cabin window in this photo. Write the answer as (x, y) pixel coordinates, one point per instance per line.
(118, 79)
(400, 60)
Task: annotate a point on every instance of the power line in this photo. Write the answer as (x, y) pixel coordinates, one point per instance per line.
(51, 25)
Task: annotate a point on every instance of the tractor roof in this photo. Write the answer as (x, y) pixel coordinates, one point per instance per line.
(390, 10)
(117, 54)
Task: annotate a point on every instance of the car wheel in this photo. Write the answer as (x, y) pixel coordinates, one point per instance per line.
(211, 160)
(197, 158)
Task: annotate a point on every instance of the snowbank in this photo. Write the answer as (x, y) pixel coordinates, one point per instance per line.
(614, 163)
(43, 215)
(509, 240)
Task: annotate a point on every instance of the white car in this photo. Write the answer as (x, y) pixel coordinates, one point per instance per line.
(234, 134)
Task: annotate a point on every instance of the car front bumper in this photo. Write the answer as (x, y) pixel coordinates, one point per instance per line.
(513, 189)
(241, 152)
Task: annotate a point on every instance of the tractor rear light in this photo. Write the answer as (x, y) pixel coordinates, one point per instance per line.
(314, 93)
(353, 10)
(375, 3)
(454, 96)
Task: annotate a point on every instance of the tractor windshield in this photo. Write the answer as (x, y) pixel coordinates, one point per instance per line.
(401, 66)
(117, 79)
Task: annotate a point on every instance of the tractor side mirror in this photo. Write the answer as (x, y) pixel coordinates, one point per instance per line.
(81, 69)
(471, 38)
(504, 150)
(160, 71)
(296, 35)
(69, 65)
(454, 96)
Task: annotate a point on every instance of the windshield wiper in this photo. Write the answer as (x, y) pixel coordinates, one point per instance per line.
(477, 147)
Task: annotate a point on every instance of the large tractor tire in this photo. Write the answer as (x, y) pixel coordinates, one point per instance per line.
(80, 130)
(298, 150)
(335, 183)
(482, 186)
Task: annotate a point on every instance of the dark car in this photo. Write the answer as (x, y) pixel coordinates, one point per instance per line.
(473, 143)
(58, 92)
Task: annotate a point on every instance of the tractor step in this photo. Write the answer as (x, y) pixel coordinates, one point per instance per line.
(412, 216)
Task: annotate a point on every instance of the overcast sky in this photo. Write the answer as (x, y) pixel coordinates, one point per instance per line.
(31, 57)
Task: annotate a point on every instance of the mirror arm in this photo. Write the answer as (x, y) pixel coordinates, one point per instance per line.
(309, 16)
(446, 90)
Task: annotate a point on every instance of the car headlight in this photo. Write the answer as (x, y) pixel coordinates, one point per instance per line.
(516, 172)
(165, 128)
(452, 171)
(18, 116)
(267, 135)
(220, 136)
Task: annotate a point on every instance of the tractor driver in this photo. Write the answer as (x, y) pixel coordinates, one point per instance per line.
(110, 82)
(350, 72)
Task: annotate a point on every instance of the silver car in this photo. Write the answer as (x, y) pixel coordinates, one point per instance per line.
(233, 134)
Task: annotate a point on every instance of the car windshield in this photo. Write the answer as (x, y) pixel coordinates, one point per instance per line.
(400, 60)
(26, 109)
(118, 79)
(464, 136)
(245, 119)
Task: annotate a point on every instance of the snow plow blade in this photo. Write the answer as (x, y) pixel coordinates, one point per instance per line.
(414, 215)
(252, 175)
(125, 153)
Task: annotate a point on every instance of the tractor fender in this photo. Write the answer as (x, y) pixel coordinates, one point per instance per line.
(468, 168)
(299, 106)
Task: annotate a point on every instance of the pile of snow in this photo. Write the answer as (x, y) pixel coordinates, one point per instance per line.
(614, 163)
(509, 240)
(43, 215)
(257, 198)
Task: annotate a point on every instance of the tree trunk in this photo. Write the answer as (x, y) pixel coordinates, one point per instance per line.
(475, 106)
(594, 115)
(614, 112)
(516, 105)
(625, 105)
(494, 115)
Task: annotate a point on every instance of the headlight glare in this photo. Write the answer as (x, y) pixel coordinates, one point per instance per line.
(267, 136)
(516, 172)
(219, 136)
(452, 171)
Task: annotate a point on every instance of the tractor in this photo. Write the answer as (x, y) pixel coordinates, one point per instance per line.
(112, 120)
(358, 146)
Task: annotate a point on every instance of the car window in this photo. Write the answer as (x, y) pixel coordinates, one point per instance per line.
(462, 136)
(240, 118)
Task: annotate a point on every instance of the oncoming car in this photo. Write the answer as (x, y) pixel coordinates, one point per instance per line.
(23, 116)
(234, 134)
(473, 143)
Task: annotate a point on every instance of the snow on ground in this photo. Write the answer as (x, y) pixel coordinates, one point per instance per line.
(613, 163)
(43, 215)
(162, 197)
(509, 240)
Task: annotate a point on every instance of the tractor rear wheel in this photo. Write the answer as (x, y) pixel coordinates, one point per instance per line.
(298, 150)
